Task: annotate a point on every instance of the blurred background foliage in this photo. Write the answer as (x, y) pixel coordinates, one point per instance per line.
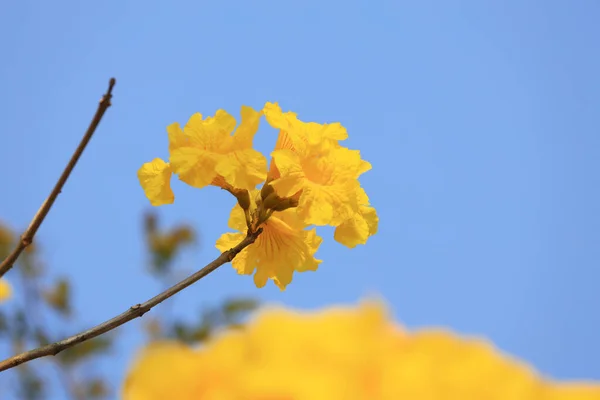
(41, 311)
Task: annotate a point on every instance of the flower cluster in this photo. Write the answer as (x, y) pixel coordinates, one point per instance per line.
(312, 180)
(338, 354)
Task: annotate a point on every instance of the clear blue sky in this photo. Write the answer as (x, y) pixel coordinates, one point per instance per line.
(480, 119)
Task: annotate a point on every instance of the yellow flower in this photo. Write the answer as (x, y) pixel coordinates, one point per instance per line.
(339, 354)
(328, 184)
(5, 290)
(206, 149)
(283, 247)
(312, 180)
(358, 228)
(195, 378)
(205, 152)
(308, 159)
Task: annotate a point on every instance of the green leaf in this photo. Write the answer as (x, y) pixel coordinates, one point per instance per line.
(59, 297)
(96, 388)
(41, 337)
(233, 309)
(31, 386)
(84, 350)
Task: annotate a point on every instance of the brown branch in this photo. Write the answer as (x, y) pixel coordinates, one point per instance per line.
(133, 312)
(27, 237)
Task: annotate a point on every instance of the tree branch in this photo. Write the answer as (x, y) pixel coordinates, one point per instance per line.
(27, 237)
(133, 312)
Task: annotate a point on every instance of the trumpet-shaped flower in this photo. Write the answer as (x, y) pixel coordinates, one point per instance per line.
(206, 152)
(309, 159)
(339, 354)
(328, 183)
(284, 246)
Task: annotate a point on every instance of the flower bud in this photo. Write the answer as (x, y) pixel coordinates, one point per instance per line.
(285, 203)
(243, 198)
(271, 200)
(266, 191)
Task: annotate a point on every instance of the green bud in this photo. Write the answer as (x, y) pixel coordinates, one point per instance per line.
(285, 203)
(271, 200)
(243, 198)
(266, 191)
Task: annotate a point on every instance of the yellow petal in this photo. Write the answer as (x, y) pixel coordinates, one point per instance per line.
(327, 205)
(363, 224)
(370, 216)
(176, 137)
(155, 179)
(573, 391)
(324, 136)
(282, 248)
(243, 169)
(277, 118)
(206, 153)
(290, 170)
(244, 261)
(364, 167)
(338, 165)
(261, 277)
(303, 136)
(328, 183)
(352, 232)
(212, 133)
(237, 218)
(195, 166)
(312, 242)
(244, 134)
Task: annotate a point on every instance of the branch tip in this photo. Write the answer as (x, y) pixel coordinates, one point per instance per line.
(40, 215)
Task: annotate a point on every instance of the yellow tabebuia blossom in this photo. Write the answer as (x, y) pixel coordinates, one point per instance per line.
(312, 180)
(283, 247)
(309, 158)
(206, 148)
(339, 354)
(207, 151)
(5, 290)
(328, 184)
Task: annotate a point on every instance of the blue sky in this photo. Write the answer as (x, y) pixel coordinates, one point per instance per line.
(480, 119)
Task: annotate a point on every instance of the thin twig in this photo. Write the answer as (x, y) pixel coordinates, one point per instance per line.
(35, 319)
(133, 312)
(27, 237)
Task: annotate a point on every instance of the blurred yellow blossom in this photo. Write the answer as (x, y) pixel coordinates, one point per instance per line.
(5, 290)
(339, 354)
